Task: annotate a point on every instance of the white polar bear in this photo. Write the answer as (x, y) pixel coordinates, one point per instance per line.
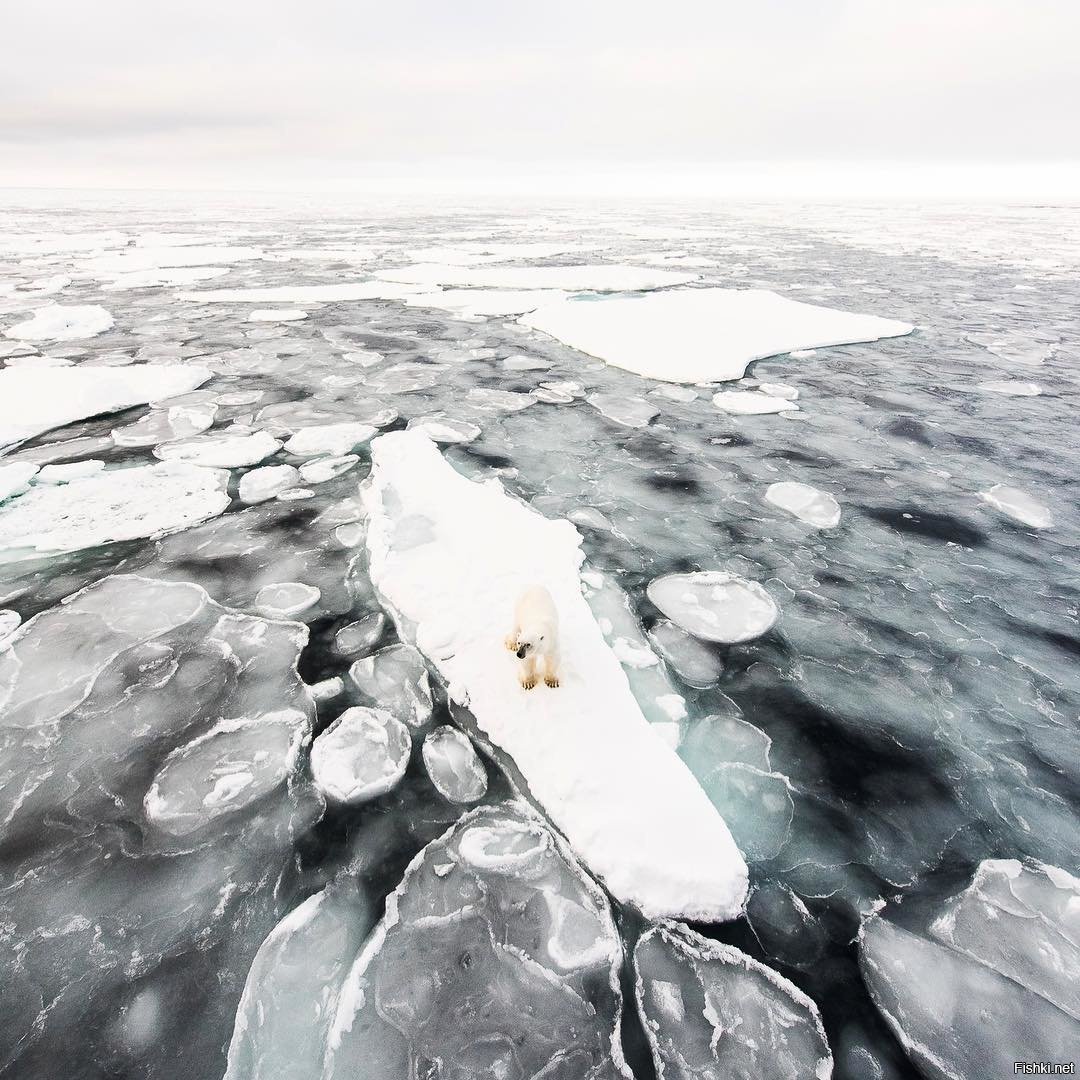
(535, 637)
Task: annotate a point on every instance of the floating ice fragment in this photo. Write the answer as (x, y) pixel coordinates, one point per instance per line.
(221, 451)
(1012, 387)
(328, 440)
(700, 335)
(264, 483)
(1019, 506)
(284, 600)
(693, 662)
(453, 765)
(499, 400)
(360, 637)
(710, 1010)
(15, 478)
(397, 679)
(66, 473)
(324, 469)
(277, 315)
(159, 278)
(442, 429)
(628, 411)
(817, 508)
(301, 294)
(780, 390)
(715, 605)
(62, 322)
(361, 755)
(596, 278)
(9, 623)
(752, 402)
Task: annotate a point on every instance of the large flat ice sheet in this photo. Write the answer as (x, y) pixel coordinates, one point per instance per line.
(701, 335)
(449, 557)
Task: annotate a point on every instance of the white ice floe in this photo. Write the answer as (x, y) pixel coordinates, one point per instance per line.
(780, 390)
(66, 473)
(321, 470)
(221, 451)
(15, 478)
(752, 403)
(233, 765)
(710, 1010)
(277, 315)
(119, 504)
(264, 483)
(477, 303)
(9, 623)
(328, 440)
(361, 755)
(956, 1018)
(484, 397)
(593, 278)
(817, 508)
(449, 557)
(692, 661)
(285, 599)
(700, 335)
(360, 637)
(62, 322)
(138, 259)
(623, 409)
(166, 276)
(495, 251)
(453, 765)
(397, 679)
(443, 429)
(1012, 388)
(715, 605)
(1019, 506)
(1024, 923)
(301, 294)
(37, 400)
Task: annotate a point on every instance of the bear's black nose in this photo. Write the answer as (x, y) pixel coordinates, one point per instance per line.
(522, 651)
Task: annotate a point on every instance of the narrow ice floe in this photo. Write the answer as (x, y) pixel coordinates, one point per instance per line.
(328, 440)
(623, 409)
(221, 451)
(301, 294)
(15, 478)
(37, 400)
(264, 483)
(277, 315)
(137, 259)
(701, 335)
(453, 766)
(360, 756)
(1019, 506)
(166, 276)
(710, 1010)
(817, 508)
(450, 557)
(286, 599)
(752, 402)
(1012, 388)
(595, 278)
(120, 504)
(60, 322)
(66, 473)
(476, 303)
(715, 605)
(443, 429)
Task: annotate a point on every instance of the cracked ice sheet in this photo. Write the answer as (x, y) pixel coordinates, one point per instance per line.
(449, 557)
(701, 335)
(33, 400)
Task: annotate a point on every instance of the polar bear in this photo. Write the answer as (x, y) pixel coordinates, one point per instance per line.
(535, 637)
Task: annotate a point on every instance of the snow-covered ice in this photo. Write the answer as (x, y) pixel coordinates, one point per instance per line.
(449, 557)
(1011, 387)
(478, 303)
(37, 400)
(710, 1010)
(700, 335)
(453, 766)
(15, 478)
(752, 402)
(807, 503)
(65, 474)
(110, 506)
(301, 294)
(361, 755)
(62, 322)
(277, 315)
(444, 429)
(264, 483)
(328, 440)
(1018, 505)
(223, 451)
(715, 605)
(593, 278)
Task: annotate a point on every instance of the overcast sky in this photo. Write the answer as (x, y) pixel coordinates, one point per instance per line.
(269, 93)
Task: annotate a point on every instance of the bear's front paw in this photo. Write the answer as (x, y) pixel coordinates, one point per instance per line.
(528, 683)
(511, 642)
(552, 681)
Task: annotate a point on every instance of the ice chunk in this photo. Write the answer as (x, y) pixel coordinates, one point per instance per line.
(700, 335)
(221, 451)
(496, 957)
(65, 474)
(226, 770)
(521, 362)
(157, 279)
(62, 322)
(36, 400)
(277, 315)
(9, 623)
(166, 424)
(715, 605)
(1024, 922)
(1019, 506)
(752, 403)
(286, 599)
(301, 294)
(1012, 388)
(710, 1010)
(596, 278)
(361, 755)
(780, 390)
(442, 429)
(817, 508)
(449, 557)
(957, 1019)
(170, 255)
(397, 679)
(625, 410)
(119, 504)
(323, 469)
(476, 303)
(484, 397)
(453, 765)
(693, 662)
(328, 440)
(15, 478)
(360, 637)
(264, 483)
